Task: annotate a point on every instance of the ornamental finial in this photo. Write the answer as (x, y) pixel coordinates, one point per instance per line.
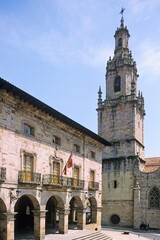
(122, 20)
(122, 11)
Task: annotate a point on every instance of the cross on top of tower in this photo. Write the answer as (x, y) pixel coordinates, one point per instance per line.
(122, 11)
(122, 20)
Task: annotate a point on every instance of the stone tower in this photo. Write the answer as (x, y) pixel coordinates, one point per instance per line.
(121, 121)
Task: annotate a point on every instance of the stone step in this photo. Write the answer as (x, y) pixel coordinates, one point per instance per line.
(94, 236)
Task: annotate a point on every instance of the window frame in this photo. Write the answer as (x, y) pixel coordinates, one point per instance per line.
(28, 129)
(93, 154)
(117, 84)
(76, 148)
(56, 140)
(155, 204)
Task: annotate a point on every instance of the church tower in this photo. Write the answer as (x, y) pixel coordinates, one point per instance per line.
(121, 121)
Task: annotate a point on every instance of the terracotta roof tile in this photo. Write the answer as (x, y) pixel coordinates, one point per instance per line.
(154, 161)
(151, 164)
(149, 169)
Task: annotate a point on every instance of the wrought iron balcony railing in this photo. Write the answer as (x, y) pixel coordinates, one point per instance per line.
(62, 181)
(77, 183)
(93, 185)
(29, 177)
(50, 179)
(2, 174)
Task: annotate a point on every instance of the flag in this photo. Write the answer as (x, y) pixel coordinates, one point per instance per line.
(68, 164)
(70, 161)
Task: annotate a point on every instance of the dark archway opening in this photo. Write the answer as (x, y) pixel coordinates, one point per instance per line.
(52, 215)
(3, 220)
(74, 216)
(24, 219)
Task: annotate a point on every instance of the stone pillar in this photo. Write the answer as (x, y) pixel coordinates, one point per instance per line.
(63, 221)
(137, 217)
(39, 224)
(81, 218)
(99, 217)
(9, 235)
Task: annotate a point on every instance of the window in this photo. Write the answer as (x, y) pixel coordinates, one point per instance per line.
(76, 148)
(76, 176)
(56, 173)
(28, 167)
(92, 176)
(115, 184)
(93, 155)
(154, 198)
(28, 130)
(117, 84)
(56, 140)
(120, 42)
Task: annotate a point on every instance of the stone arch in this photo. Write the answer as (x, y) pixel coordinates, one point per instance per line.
(76, 213)
(54, 214)
(27, 218)
(3, 220)
(93, 210)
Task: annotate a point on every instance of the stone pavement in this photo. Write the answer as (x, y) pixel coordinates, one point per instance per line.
(114, 234)
(107, 233)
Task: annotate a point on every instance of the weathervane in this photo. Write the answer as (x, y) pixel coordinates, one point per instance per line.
(122, 20)
(122, 11)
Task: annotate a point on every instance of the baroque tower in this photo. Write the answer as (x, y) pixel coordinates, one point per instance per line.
(121, 121)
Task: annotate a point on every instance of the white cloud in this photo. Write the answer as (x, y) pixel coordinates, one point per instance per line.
(69, 34)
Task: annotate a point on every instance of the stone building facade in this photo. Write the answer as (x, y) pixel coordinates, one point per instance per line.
(50, 169)
(131, 183)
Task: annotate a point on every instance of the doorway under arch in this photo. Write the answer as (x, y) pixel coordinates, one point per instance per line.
(92, 209)
(53, 207)
(76, 211)
(24, 219)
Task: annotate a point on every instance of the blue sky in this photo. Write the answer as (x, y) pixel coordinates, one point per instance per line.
(57, 50)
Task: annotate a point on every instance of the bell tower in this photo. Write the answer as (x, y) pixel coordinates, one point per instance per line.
(121, 121)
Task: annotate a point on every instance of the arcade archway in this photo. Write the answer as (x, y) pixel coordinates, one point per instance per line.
(53, 207)
(25, 221)
(76, 213)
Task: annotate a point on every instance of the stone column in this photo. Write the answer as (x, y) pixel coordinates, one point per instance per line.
(9, 233)
(99, 216)
(81, 218)
(39, 224)
(63, 221)
(137, 217)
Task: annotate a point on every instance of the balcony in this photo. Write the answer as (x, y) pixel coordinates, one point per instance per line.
(77, 183)
(29, 177)
(73, 183)
(62, 181)
(93, 185)
(52, 180)
(2, 174)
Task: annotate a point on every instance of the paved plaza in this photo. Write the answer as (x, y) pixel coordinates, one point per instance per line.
(114, 234)
(106, 233)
